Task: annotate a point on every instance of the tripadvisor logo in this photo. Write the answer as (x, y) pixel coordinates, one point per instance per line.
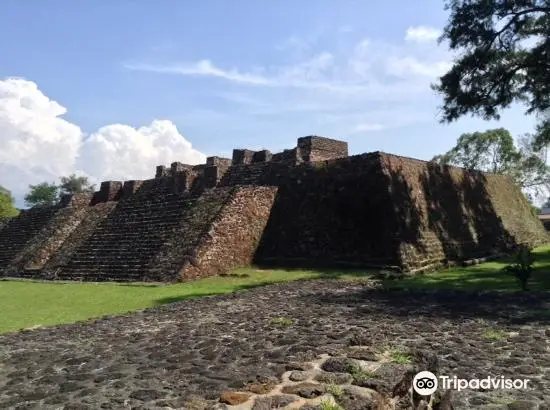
(426, 383)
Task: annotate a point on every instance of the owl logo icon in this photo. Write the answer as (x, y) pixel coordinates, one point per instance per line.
(425, 383)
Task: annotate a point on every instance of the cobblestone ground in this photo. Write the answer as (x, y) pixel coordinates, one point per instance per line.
(261, 348)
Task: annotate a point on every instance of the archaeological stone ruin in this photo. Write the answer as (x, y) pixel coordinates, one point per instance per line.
(310, 206)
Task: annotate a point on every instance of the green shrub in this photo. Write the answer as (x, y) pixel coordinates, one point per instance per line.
(335, 390)
(523, 266)
(328, 405)
(281, 321)
(494, 335)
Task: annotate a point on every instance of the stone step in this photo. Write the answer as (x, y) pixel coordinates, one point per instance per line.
(102, 278)
(113, 246)
(105, 269)
(109, 265)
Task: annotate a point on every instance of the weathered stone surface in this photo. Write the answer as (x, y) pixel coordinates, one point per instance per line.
(305, 390)
(298, 376)
(261, 388)
(160, 350)
(339, 365)
(310, 205)
(273, 402)
(358, 353)
(298, 366)
(523, 405)
(334, 378)
(356, 398)
(233, 398)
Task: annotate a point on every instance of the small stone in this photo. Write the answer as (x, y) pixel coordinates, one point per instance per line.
(69, 387)
(362, 354)
(376, 385)
(273, 402)
(305, 390)
(357, 398)
(298, 366)
(234, 397)
(298, 376)
(334, 378)
(261, 388)
(526, 369)
(360, 339)
(194, 402)
(424, 360)
(445, 400)
(147, 395)
(523, 405)
(338, 364)
(479, 400)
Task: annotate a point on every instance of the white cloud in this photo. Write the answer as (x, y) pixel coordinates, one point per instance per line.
(407, 66)
(202, 68)
(122, 152)
(363, 69)
(37, 144)
(422, 34)
(32, 132)
(367, 127)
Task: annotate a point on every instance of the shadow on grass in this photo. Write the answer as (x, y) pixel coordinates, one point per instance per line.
(320, 271)
(489, 277)
(325, 274)
(473, 280)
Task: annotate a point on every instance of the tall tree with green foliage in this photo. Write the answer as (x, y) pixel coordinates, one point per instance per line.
(503, 50)
(75, 185)
(495, 151)
(42, 194)
(7, 204)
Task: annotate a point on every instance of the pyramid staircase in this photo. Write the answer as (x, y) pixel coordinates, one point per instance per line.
(20, 230)
(124, 245)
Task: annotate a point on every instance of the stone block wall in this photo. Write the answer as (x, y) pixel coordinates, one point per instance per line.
(65, 250)
(447, 214)
(330, 213)
(242, 156)
(126, 239)
(197, 214)
(312, 205)
(4, 222)
(19, 231)
(76, 200)
(313, 149)
(108, 191)
(130, 188)
(47, 241)
(233, 235)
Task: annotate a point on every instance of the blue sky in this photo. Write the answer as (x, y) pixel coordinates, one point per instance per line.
(226, 74)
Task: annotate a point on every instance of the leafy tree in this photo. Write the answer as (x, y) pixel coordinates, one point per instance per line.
(503, 56)
(491, 151)
(7, 204)
(75, 185)
(42, 194)
(495, 151)
(532, 170)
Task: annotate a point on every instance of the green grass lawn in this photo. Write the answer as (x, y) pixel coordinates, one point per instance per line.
(485, 276)
(25, 304)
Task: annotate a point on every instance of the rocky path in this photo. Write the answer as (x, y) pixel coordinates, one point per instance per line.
(269, 348)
